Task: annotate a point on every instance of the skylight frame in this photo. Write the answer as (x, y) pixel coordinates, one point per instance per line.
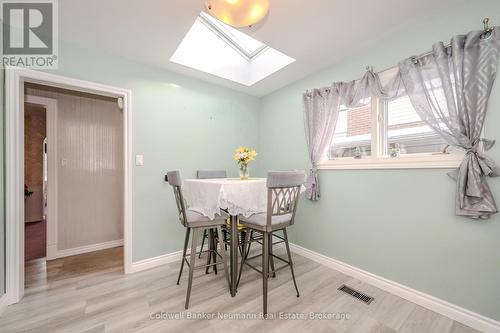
(225, 35)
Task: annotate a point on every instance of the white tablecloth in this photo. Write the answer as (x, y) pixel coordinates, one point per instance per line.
(239, 197)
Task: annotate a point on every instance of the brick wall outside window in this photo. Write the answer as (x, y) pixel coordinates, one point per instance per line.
(359, 121)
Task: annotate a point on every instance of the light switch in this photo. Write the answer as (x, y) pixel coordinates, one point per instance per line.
(139, 160)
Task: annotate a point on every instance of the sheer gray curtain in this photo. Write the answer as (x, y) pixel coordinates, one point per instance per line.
(321, 109)
(449, 89)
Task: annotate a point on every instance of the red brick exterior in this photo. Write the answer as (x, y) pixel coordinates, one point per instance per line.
(359, 122)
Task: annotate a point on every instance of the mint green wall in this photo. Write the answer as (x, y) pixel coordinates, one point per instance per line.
(194, 126)
(398, 224)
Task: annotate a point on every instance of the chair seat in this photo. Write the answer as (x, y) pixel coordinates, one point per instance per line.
(259, 221)
(195, 219)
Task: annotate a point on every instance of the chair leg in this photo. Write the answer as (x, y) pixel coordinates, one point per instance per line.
(209, 253)
(225, 239)
(250, 244)
(214, 249)
(203, 242)
(271, 259)
(241, 239)
(244, 257)
(265, 274)
(194, 242)
(186, 242)
(223, 254)
(290, 261)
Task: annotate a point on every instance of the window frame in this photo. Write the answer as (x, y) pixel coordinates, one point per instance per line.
(380, 159)
(225, 35)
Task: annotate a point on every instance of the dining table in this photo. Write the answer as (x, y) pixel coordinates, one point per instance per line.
(237, 197)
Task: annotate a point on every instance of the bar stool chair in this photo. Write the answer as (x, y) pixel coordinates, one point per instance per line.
(195, 222)
(283, 189)
(209, 174)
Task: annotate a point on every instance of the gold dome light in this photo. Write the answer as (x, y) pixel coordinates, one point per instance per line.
(238, 13)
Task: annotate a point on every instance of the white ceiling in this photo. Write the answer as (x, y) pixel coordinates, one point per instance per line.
(317, 33)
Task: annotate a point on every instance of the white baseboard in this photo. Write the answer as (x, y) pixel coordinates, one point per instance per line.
(3, 303)
(155, 261)
(158, 261)
(87, 248)
(464, 316)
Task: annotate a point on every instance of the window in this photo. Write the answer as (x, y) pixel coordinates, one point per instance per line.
(387, 134)
(407, 133)
(353, 133)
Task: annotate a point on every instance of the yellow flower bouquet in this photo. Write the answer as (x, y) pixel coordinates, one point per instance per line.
(244, 155)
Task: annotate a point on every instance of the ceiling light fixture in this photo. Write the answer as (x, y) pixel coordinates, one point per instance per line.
(238, 13)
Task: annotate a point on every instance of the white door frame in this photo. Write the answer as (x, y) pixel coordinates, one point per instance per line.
(14, 168)
(50, 105)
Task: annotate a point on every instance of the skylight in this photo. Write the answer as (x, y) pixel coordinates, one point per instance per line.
(216, 48)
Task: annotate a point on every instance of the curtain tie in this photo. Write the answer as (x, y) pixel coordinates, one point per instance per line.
(472, 150)
(470, 172)
(487, 145)
(477, 161)
(486, 165)
(475, 158)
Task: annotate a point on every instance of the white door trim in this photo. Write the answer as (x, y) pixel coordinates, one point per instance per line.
(14, 169)
(3, 303)
(50, 105)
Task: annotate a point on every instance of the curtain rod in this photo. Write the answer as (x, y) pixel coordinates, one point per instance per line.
(487, 30)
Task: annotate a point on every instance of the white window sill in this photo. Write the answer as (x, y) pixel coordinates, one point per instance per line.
(417, 161)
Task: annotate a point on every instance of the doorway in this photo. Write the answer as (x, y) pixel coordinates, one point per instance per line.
(85, 214)
(35, 180)
(15, 206)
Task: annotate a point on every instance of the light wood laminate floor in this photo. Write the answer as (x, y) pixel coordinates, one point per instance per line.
(89, 293)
